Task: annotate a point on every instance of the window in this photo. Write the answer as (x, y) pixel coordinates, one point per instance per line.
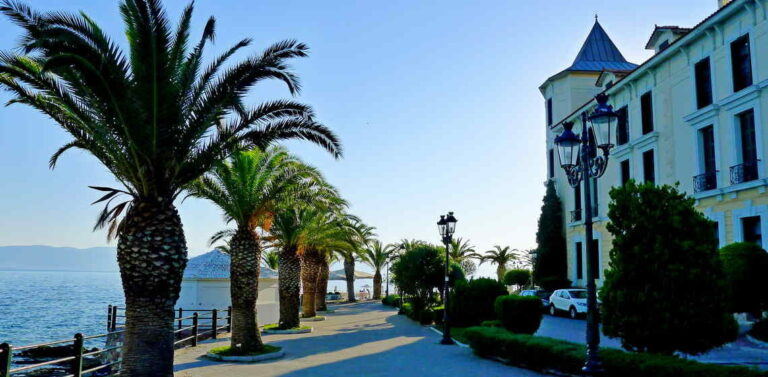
(649, 171)
(716, 230)
(747, 169)
(595, 259)
(622, 126)
(703, 78)
(577, 204)
(663, 45)
(595, 203)
(579, 262)
(741, 63)
(625, 174)
(751, 229)
(646, 112)
(549, 111)
(707, 180)
(551, 163)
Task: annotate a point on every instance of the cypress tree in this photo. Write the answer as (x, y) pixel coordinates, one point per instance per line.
(550, 266)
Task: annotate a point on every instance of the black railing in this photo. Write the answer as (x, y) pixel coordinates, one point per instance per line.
(575, 215)
(202, 324)
(704, 182)
(744, 172)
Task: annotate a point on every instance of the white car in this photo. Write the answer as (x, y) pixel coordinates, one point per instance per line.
(573, 301)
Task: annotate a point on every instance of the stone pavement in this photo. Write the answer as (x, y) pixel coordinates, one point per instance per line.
(365, 339)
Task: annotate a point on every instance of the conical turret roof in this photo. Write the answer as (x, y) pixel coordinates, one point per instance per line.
(598, 53)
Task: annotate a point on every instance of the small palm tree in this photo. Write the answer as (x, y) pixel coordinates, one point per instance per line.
(157, 117)
(376, 256)
(501, 257)
(359, 236)
(271, 259)
(248, 189)
(462, 253)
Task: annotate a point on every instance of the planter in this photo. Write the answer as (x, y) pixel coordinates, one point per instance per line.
(314, 319)
(247, 359)
(300, 330)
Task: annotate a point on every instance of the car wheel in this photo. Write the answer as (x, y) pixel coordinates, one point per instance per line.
(552, 310)
(573, 313)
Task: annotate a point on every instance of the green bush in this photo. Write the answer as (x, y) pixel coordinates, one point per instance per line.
(553, 283)
(472, 301)
(745, 265)
(760, 330)
(519, 314)
(437, 314)
(419, 272)
(540, 353)
(408, 309)
(493, 323)
(391, 300)
(517, 277)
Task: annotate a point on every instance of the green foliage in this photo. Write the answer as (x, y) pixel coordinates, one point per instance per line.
(517, 277)
(664, 291)
(493, 323)
(418, 272)
(438, 313)
(553, 283)
(229, 351)
(455, 274)
(391, 300)
(472, 301)
(550, 261)
(519, 314)
(542, 354)
(745, 266)
(760, 330)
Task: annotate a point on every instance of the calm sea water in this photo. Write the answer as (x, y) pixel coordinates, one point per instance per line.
(39, 306)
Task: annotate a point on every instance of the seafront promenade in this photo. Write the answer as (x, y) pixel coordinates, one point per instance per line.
(365, 339)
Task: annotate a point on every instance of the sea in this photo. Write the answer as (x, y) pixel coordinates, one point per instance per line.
(42, 306)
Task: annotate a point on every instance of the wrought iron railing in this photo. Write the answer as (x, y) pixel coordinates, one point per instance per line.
(704, 182)
(744, 172)
(576, 215)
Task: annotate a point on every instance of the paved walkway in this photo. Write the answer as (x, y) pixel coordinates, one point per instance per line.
(366, 339)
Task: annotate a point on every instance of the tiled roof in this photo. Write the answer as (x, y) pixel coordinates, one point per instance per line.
(599, 53)
(215, 265)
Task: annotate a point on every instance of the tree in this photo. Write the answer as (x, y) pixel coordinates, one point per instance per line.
(517, 277)
(664, 291)
(551, 258)
(359, 237)
(462, 253)
(745, 265)
(419, 271)
(376, 256)
(271, 259)
(157, 118)
(501, 257)
(248, 189)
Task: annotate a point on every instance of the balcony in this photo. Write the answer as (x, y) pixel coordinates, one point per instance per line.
(705, 182)
(744, 172)
(575, 215)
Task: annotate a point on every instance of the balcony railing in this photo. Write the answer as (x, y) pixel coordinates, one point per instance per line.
(744, 172)
(575, 215)
(704, 182)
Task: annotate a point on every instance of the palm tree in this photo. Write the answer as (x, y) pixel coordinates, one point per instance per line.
(501, 256)
(248, 189)
(157, 118)
(359, 237)
(462, 253)
(376, 256)
(324, 275)
(271, 259)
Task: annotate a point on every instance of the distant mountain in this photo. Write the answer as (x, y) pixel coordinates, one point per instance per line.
(39, 257)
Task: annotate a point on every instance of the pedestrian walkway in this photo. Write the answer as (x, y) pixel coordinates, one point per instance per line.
(365, 339)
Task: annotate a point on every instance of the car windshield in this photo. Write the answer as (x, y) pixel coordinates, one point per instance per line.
(543, 294)
(578, 294)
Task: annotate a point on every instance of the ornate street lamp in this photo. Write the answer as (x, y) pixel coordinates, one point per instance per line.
(580, 161)
(446, 226)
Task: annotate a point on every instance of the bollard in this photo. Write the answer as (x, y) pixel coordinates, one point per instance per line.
(6, 357)
(109, 318)
(229, 319)
(214, 323)
(114, 318)
(194, 329)
(77, 363)
(181, 315)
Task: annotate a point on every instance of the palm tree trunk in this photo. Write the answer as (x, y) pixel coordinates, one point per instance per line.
(500, 271)
(322, 286)
(309, 272)
(377, 285)
(152, 255)
(288, 281)
(244, 288)
(349, 273)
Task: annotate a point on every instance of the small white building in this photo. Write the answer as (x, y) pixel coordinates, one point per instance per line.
(205, 285)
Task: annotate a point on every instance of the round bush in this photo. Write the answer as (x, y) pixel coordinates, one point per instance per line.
(472, 301)
(745, 265)
(517, 277)
(519, 314)
(760, 330)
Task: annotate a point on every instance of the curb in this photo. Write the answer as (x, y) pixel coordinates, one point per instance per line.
(288, 331)
(316, 318)
(247, 359)
(460, 344)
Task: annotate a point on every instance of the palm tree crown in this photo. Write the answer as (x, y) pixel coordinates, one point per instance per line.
(376, 254)
(500, 256)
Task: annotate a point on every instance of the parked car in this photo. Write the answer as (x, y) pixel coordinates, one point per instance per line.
(540, 293)
(572, 301)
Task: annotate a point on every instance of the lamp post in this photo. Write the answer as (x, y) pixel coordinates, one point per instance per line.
(389, 259)
(580, 160)
(446, 226)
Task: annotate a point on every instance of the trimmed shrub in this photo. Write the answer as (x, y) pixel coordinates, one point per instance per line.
(517, 277)
(519, 314)
(541, 354)
(494, 323)
(745, 265)
(553, 283)
(760, 330)
(391, 300)
(408, 309)
(472, 301)
(437, 314)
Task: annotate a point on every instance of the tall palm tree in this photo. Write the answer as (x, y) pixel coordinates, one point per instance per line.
(462, 253)
(324, 275)
(271, 259)
(376, 256)
(501, 257)
(157, 118)
(359, 237)
(248, 189)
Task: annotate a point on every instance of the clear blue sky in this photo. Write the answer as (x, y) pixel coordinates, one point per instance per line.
(436, 103)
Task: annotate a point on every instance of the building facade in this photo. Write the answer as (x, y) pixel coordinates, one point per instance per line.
(694, 114)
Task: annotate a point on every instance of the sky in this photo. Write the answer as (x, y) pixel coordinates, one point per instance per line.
(436, 103)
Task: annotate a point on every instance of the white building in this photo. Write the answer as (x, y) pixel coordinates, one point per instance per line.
(693, 113)
(206, 286)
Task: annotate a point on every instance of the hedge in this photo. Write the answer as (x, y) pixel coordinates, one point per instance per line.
(391, 300)
(472, 301)
(519, 314)
(541, 354)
